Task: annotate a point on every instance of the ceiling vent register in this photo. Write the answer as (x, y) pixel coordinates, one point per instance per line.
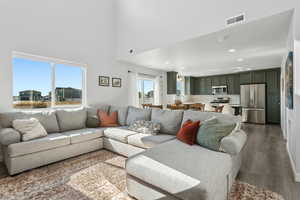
(235, 20)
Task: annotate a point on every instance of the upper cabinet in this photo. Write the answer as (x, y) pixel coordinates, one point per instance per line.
(233, 84)
(171, 82)
(245, 77)
(219, 80)
(258, 77)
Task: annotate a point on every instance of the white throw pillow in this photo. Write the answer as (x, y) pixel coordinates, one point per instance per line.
(29, 128)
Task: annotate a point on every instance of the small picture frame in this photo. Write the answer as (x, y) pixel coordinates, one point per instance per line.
(104, 81)
(116, 82)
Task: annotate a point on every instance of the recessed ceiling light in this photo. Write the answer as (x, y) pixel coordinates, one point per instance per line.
(167, 62)
(240, 59)
(231, 50)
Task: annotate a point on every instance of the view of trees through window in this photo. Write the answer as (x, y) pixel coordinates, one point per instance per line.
(146, 91)
(32, 84)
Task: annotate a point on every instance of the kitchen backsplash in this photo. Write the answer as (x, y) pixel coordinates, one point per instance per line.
(170, 99)
(234, 99)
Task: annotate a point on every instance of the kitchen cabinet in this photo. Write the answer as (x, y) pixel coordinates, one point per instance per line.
(208, 85)
(245, 78)
(258, 76)
(171, 82)
(273, 95)
(233, 84)
(218, 80)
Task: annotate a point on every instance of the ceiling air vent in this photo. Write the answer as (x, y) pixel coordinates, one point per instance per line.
(237, 19)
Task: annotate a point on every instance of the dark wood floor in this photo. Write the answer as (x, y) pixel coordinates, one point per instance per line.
(265, 162)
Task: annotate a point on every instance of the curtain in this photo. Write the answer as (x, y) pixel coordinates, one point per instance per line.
(133, 90)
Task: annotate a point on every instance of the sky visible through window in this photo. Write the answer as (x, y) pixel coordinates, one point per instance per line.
(36, 75)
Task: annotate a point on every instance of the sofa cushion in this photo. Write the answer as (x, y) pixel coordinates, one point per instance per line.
(86, 134)
(136, 140)
(234, 143)
(71, 119)
(29, 128)
(51, 141)
(170, 121)
(9, 136)
(122, 113)
(202, 116)
(92, 116)
(135, 114)
(47, 119)
(118, 134)
(148, 141)
(188, 172)
(153, 140)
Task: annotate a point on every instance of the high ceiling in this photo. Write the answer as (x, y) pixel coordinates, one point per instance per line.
(254, 45)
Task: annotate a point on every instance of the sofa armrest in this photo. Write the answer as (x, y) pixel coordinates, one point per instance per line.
(9, 136)
(234, 143)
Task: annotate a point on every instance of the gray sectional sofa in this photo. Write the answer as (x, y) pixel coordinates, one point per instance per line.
(159, 166)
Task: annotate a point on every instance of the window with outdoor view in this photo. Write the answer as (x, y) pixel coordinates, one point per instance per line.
(34, 82)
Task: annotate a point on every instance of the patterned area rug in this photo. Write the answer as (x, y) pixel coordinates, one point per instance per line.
(95, 176)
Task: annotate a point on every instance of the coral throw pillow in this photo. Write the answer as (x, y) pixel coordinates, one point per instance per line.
(188, 132)
(108, 119)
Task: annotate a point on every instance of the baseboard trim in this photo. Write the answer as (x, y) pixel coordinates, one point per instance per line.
(296, 175)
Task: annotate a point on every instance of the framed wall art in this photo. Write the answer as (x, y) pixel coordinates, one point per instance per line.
(116, 82)
(104, 81)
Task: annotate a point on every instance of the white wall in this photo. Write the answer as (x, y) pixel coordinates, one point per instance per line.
(81, 31)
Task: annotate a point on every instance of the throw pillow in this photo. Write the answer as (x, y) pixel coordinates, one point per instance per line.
(29, 128)
(108, 119)
(188, 132)
(147, 127)
(212, 132)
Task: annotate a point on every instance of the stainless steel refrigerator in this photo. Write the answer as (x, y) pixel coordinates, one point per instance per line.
(253, 102)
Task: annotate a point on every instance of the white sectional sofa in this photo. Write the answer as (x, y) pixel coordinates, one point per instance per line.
(159, 166)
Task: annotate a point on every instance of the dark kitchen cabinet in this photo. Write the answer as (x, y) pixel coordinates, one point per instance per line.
(273, 95)
(258, 76)
(233, 84)
(208, 85)
(218, 80)
(245, 78)
(171, 82)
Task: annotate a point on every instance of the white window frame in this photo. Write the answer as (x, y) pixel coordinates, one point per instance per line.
(53, 62)
(147, 77)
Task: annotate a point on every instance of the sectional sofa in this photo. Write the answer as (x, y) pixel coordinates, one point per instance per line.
(158, 166)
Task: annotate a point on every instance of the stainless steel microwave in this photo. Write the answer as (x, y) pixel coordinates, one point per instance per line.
(219, 90)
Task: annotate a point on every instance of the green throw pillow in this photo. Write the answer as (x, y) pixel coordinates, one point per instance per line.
(211, 133)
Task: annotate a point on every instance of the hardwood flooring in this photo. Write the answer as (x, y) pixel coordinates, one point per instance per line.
(265, 161)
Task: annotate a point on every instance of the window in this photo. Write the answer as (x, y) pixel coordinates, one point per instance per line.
(40, 82)
(180, 86)
(146, 91)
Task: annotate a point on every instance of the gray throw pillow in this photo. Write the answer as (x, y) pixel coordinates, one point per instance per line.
(146, 127)
(212, 131)
(135, 114)
(122, 113)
